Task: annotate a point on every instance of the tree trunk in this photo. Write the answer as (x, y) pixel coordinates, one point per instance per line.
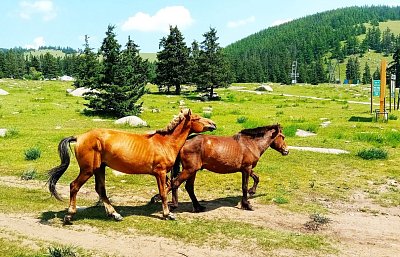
(177, 89)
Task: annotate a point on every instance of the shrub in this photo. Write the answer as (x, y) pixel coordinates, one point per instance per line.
(392, 117)
(373, 154)
(241, 119)
(63, 251)
(12, 132)
(290, 131)
(32, 154)
(29, 174)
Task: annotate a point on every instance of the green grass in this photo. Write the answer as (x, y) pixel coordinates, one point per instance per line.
(42, 114)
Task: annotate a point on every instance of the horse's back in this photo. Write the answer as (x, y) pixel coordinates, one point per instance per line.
(216, 153)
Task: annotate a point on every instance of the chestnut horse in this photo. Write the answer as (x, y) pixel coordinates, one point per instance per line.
(126, 152)
(238, 153)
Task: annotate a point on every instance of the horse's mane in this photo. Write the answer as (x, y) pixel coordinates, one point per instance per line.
(258, 132)
(175, 122)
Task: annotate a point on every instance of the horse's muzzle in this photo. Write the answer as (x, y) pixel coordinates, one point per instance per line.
(285, 152)
(211, 127)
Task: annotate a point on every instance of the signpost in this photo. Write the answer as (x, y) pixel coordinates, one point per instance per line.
(383, 86)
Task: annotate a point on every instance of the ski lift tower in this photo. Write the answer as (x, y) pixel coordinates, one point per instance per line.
(294, 75)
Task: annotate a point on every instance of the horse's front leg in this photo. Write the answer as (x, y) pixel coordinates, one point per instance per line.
(245, 181)
(161, 183)
(256, 179)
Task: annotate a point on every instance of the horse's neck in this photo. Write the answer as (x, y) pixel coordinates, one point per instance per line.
(179, 134)
(263, 143)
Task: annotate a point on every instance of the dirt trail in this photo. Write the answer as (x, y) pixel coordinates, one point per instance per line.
(357, 228)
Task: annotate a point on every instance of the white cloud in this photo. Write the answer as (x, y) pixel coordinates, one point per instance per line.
(44, 8)
(171, 15)
(240, 23)
(279, 22)
(37, 42)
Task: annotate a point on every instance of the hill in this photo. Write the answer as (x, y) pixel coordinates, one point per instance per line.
(313, 41)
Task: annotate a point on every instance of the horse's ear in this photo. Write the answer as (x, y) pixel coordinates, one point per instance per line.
(189, 112)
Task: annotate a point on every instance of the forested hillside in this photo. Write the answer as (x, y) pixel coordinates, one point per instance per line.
(315, 42)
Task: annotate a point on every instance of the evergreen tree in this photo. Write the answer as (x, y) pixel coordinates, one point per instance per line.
(122, 81)
(172, 68)
(377, 74)
(193, 57)
(394, 66)
(353, 70)
(49, 66)
(366, 79)
(387, 42)
(213, 70)
(110, 52)
(87, 72)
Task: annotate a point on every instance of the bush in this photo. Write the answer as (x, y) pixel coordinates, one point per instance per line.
(373, 154)
(32, 154)
(290, 131)
(241, 119)
(29, 174)
(12, 132)
(63, 251)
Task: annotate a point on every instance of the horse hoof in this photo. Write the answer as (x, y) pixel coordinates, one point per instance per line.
(200, 208)
(67, 220)
(251, 193)
(155, 199)
(170, 216)
(117, 216)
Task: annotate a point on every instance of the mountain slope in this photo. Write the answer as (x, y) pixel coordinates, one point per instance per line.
(268, 54)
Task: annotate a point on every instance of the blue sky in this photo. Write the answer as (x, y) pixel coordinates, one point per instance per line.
(65, 22)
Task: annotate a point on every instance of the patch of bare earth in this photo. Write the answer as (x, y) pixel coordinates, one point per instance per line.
(357, 228)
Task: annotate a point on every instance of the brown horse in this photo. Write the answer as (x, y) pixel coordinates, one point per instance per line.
(130, 153)
(238, 153)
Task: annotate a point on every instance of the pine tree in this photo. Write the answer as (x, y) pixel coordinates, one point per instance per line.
(110, 52)
(394, 66)
(172, 68)
(366, 79)
(213, 70)
(87, 72)
(122, 80)
(377, 74)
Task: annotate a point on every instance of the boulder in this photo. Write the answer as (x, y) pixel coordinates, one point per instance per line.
(303, 133)
(264, 87)
(133, 121)
(3, 132)
(80, 91)
(3, 92)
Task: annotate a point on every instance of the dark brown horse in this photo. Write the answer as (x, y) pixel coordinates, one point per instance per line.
(130, 153)
(238, 153)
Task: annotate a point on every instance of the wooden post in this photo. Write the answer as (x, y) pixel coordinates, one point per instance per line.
(383, 87)
(372, 93)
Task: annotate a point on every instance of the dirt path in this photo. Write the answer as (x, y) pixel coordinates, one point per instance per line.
(357, 228)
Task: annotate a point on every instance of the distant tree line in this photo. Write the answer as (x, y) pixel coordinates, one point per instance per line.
(313, 41)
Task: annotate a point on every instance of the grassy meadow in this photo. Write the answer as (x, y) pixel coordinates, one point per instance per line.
(38, 114)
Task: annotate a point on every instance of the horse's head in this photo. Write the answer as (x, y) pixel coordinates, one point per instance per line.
(199, 124)
(279, 143)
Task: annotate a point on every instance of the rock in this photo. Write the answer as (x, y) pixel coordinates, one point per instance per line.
(133, 121)
(264, 87)
(66, 78)
(80, 91)
(303, 133)
(3, 92)
(325, 124)
(3, 132)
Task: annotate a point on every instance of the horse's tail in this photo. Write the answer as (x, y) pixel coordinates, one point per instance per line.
(56, 172)
(176, 168)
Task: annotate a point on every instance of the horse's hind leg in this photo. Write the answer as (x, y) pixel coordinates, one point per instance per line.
(100, 179)
(189, 186)
(245, 181)
(75, 185)
(253, 189)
